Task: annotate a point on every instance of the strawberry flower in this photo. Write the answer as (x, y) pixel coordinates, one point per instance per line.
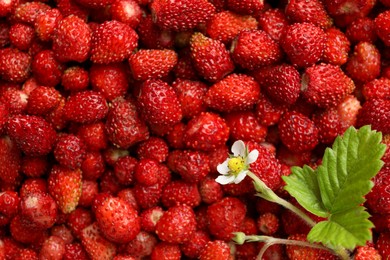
(235, 168)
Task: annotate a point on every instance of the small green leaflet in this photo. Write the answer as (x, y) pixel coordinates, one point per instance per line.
(336, 189)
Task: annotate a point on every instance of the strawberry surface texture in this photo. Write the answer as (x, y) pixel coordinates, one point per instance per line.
(115, 114)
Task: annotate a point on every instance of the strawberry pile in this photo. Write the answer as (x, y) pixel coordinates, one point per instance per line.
(114, 115)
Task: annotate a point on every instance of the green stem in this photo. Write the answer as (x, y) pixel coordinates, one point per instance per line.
(266, 193)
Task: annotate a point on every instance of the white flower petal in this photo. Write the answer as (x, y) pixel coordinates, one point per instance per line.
(240, 177)
(238, 148)
(223, 167)
(224, 179)
(252, 156)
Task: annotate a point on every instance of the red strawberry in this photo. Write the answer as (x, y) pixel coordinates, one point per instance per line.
(10, 160)
(28, 12)
(234, 92)
(210, 57)
(181, 15)
(32, 134)
(377, 89)
(300, 11)
(304, 43)
(180, 192)
(118, 221)
(65, 186)
(75, 251)
(195, 245)
(148, 196)
(299, 252)
(378, 200)
(27, 254)
(329, 125)
(225, 217)
(383, 244)
(175, 136)
(147, 64)
(244, 126)
(7, 7)
(79, 219)
(154, 148)
(375, 112)
(364, 63)
(206, 132)
(298, 132)
(142, 245)
(273, 22)
(112, 41)
(253, 49)
(93, 135)
(15, 65)
(93, 165)
(224, 26)
(75, 79)
(52, 248)
(217, 156)
(94, 4)
(124, 169)
(361, 30)
(95, 244)
(69, 151)
(245, 7)
(46, 22)
(126, 11)
(326, 85)
(9, 204)
(111, 80)
(42, 100)
(381, 27)
(152, 37)
(70, 7)
(24, 231)
(367, 253)
(86, 107)
(337, 47)
(268, 223)
(46, 69)
(166, 251)
(15, 100)
(21, 36)
(185, 66)
(216, 250)
(158, 103)
(150, 217)
(146, 172)
(268, 112)
(210, 190)
(177, 224)
(32, 186)
(72, 39)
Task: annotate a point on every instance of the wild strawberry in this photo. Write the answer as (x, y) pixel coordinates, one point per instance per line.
(337, 47)
(304, 43)
(46, 69)
(9, 204)
(152, 37)
(89, 190)
(180, 192)
(224, 26)
(298, 132)
(364, 63)
(273, 22)
(93, 165)
(244, 126)
(46, 22)
(378, 200)
(32, 186)
(146, 172)
(72, 39)
(10, 160)
(79, 219)
(177, 224)
(96, 245)
(210, 57)
(94, 4)
(217, 156)
(150, 217)
(158, 103)
(15, 100)
(71, 7)
(267, 111)
(75, 251)
(21, 36)
(210, 190)
(40, 209)
(181, 15)
(381, 27)
(111, 80)
(154, 148)
(27, 254)
(326, 85)
(148, 196)
(268, 223)
(245, 7)
(142, 245)
(24, 231)
(215, 250)
(147, 64)
(196, 243)
(361, 30)
(15, 65)
(112, 41)
(65, 187)
(109, 183)
(32, 134)
(166, 251)
(118, 221)
(383, 244)
(253, 49)
(299, 252)
(367, 253)
(126, 11)
(69, 151)
(124, 169)
(377, 89)
(42, 100)
(184, 68)
(52, 248)
(375, 112)
(63, 232)
(28, 12)
(225, 217)
(56, 117)
(75, 79)
(235, 92)
(300, 11)
(7, 7)
(329, 125)
(175, 136)
(206, 132)
(86, 107)
(93, 136)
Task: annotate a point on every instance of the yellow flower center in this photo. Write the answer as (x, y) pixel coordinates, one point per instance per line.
(236, 164)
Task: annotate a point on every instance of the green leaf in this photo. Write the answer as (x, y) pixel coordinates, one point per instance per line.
(302, 184)
(344, 229)
(345, 174)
